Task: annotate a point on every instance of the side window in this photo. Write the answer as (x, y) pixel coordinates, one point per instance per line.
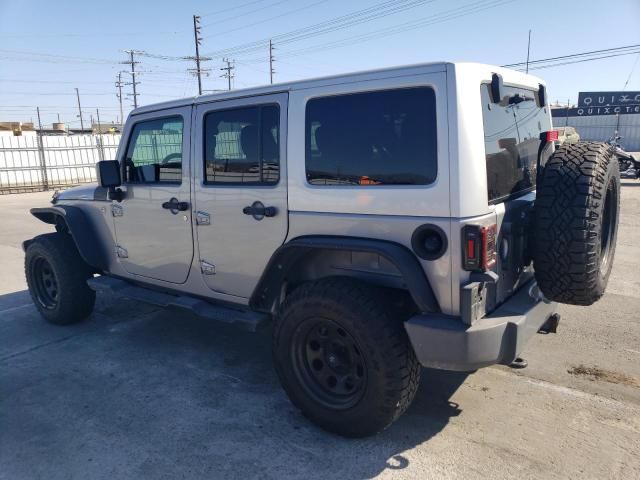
(375, 138)
(242, 146)
(154, 152)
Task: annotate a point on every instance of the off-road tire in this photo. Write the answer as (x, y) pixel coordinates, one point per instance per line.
(576, 222)
(72, 300)
(391, 369)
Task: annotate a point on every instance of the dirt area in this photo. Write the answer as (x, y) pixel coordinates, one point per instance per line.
(596, 373)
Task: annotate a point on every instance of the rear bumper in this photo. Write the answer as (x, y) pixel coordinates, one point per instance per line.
(447, 343)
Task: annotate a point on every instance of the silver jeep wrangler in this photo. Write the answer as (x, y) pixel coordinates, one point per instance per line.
(383, 220)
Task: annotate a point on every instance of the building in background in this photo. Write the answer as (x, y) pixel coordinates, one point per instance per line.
(599, 115)
(16, 129)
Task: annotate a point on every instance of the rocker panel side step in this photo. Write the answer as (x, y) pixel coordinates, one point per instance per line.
(245, 319)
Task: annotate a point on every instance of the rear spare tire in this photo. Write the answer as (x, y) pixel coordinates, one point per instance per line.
(576, 212)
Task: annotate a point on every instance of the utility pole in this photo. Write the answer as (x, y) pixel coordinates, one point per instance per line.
(198, 40)
(228, 75)
(100, 145)
(43, 162)
(528, 51)
(132, 62)
(271, 60)
(119, 95)
(79, 110)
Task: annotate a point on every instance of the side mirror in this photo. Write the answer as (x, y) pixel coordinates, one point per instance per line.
(108, 172)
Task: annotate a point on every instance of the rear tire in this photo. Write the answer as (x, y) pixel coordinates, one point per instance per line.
(57, 278)
(343, 360)
(577, 209)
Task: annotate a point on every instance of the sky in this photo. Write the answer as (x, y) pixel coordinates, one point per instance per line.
(47, 49)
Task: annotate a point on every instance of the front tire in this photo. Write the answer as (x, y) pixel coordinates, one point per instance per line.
(343, 360)
(57, 278)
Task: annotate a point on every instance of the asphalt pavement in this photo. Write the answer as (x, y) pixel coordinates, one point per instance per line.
(140, 392)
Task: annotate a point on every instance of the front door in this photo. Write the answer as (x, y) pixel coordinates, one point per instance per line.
(240, 189)
(153, 222)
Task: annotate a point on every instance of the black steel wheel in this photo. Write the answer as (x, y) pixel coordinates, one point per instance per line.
(328, 363)
(57, 278)
(343, 356)
(45, 284)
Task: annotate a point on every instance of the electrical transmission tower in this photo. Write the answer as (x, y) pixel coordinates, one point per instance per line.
(132, 62)
(228, 69)
(198, 71)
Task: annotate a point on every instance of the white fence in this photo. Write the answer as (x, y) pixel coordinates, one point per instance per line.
(32, 163)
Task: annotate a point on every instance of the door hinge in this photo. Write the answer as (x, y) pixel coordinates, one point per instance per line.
(207, 268)
(203, 218)
(117, 210)
(121, 252)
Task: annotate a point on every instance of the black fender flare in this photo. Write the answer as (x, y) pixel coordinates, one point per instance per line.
(286, 257)
(83, 232)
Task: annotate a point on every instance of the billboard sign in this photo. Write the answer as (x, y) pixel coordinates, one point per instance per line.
(608, 99)
(594, 111)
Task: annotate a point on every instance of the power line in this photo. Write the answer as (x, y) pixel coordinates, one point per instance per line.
(234, 17)
(232, 8)
(401, 28)
(592, 52)
(377, 11)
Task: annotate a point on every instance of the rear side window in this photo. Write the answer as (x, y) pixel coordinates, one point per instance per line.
(154, 152)
(512, 131)
(376, 138)
(242, 146)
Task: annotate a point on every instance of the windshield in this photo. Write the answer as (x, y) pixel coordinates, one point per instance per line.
(512, 131)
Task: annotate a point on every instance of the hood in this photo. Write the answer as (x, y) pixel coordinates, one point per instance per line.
(87, 192)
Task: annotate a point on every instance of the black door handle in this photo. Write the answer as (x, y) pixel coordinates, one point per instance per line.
(258, 211)
(175, 206)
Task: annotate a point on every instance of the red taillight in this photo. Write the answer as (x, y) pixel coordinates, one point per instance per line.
(479, 247)
(552, 136)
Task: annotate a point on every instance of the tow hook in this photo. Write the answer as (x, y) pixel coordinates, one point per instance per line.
(551, 325)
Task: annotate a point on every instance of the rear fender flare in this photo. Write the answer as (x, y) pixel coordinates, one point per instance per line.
(288, 255)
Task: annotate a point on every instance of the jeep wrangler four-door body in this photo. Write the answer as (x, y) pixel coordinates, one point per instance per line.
(383, 220)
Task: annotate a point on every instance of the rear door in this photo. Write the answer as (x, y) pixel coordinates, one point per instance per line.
(240, 189)
(512, 134)
(153, 222)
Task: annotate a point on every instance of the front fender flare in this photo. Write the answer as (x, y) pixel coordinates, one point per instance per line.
(286, 257)
(82, 230)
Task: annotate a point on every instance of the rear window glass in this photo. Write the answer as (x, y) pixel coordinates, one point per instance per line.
(512, 131)
(375, 138)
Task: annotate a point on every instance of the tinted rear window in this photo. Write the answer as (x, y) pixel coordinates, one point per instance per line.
(375, 138)
(511, 141)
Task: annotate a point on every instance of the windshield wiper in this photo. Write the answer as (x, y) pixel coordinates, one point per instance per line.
(517, 98)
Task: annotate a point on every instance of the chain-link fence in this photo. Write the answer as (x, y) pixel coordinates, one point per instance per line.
(34, 163)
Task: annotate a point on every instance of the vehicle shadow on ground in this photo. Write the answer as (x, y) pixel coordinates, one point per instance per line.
(162, 393)
(630, 183)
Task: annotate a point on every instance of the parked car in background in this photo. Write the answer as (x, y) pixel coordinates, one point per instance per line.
(567, 135)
